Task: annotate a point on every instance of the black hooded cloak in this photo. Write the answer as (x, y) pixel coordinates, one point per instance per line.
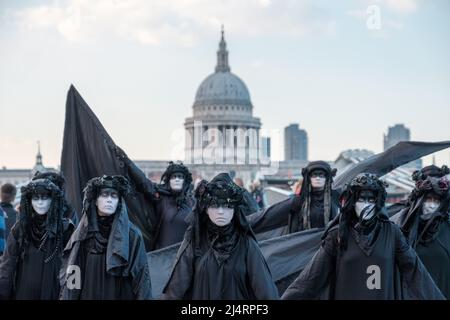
(364, 259)
(172, 209)
(59, 180)
(30, 265)
(220, 262)
(109, 251)
(310, 209)
(430, 238)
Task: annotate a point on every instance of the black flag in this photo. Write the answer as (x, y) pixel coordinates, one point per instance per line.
(382, 163)
(88, 151)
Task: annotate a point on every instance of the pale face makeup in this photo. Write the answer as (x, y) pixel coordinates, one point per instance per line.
(176, 181)
(430, 205)
(318, 179)
(41, 203)
(220, 216)
(107, 202)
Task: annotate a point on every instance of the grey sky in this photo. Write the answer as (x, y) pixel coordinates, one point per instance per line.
(138, 65)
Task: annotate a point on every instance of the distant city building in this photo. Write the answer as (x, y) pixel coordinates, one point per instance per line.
(396, 134)
(223, 135)
(295, 143)
(265, 146)
(21, 176)
(399, 180)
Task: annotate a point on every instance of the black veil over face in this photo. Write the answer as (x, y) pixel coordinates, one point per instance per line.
(362, 182)
(429, 180)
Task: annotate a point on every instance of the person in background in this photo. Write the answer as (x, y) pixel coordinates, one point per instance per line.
(251, 204)
(2, 231)
(258, 194)
(8, 195)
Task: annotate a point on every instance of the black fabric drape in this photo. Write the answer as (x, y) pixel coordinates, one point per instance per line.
(384, 162)
(88, 151)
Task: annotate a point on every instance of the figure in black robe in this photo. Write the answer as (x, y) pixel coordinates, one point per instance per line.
(172, 205)
(106, 247)
(29, 268)
(315, 206)
(219, 257)
(363, 254)
(425, 222)
(59, 180)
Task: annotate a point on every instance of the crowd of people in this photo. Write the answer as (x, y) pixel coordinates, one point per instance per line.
(49, 251)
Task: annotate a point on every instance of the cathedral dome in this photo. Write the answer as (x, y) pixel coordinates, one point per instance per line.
(222, 88)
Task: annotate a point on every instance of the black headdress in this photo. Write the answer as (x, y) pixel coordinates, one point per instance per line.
(58, 179)
(363, 181)
(95, 185)
(305, 198)
(53, 218)
(430, 171)
(177, 167)
(430, 179)
(55, 177)
(220, 191)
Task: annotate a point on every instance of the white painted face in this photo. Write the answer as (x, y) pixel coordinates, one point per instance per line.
(41, 204)
(318, 179)
(220, 216)
(365, 205)
(430, 206)
(107, 202)
(176, 181)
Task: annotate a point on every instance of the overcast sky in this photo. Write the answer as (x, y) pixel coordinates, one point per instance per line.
(138, 63)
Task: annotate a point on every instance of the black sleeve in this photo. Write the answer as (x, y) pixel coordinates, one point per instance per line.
(273, 217)
(260, 277)
(8, 265)
(417, 283)
(313, 280)
(140, 182)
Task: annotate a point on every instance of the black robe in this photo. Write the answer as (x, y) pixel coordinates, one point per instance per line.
(24, 275)
(170, 219)
(113, 268)
(434, 252)
(349, 275)
(238, 272)
(430, 239)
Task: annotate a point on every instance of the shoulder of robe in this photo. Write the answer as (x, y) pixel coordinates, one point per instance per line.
(331, 235)
(68, 224)
(297, 202)
(15, 230)
(134, 231)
